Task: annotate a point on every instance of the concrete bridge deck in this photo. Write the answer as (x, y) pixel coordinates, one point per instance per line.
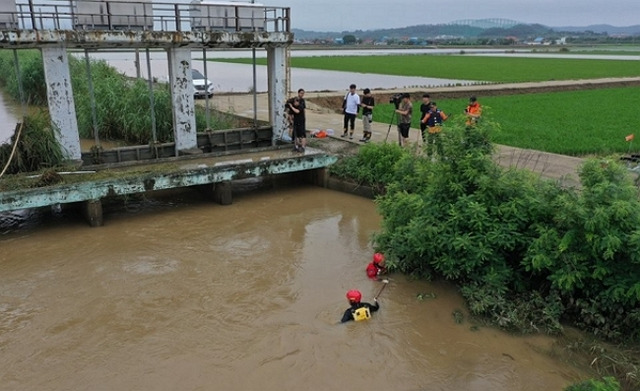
(202, 170)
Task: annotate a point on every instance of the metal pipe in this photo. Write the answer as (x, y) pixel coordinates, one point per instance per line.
(255, 83)
(151, 99)
(20, 90)
(206, 87)
(137, 63)
(33, 15)
(92, 98)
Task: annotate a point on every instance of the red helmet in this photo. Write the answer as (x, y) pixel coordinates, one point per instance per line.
(378, 257)
(354, 296)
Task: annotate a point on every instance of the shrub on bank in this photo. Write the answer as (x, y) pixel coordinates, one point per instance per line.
(37, 147)
(606, 384)
(526, 252)
(373, 165)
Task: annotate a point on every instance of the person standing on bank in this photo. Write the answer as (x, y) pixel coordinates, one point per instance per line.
(433, 121)
(358, 310)
(367, 115)
(297, 108)
(425, 107)
(351, 105)
(405, 109)
(473, 112)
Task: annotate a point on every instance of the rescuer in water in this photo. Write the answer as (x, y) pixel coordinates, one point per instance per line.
(358, 310)
(376, 267)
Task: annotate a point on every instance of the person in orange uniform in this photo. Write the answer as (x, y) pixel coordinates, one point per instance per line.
(376, 267)
(473, 112)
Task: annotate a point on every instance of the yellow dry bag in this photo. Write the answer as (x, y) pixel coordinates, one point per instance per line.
(361, 313)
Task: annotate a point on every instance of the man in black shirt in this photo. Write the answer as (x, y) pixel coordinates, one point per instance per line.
(367, 114)
(425, 107)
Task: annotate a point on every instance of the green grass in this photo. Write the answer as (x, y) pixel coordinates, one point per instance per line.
(496, 69)
(574, 123)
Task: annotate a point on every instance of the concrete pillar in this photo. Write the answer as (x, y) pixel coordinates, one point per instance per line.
(184, 115)
(277, 80)
(222, 193)
(92, 211)
(321, 177)
(60, 98)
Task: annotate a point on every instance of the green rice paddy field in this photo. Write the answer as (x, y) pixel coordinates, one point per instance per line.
(573, 123)
(570, 123)
(467, 67)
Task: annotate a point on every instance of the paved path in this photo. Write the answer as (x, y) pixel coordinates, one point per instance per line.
(549, 165)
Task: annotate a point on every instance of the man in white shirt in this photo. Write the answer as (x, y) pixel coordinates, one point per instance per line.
(351, 105)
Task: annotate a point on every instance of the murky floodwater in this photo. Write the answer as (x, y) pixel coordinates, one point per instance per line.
(228, 77)
(184, 294)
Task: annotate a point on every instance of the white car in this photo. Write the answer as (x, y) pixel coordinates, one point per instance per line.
(201, 87)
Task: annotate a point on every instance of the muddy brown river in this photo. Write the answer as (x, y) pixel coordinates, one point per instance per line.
(183, 294)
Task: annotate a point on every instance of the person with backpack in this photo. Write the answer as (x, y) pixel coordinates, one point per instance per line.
(358, 310)
(433, 120)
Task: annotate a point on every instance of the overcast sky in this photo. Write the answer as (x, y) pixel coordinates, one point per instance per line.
(347, 15)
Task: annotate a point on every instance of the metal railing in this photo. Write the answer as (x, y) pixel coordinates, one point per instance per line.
(109, 15)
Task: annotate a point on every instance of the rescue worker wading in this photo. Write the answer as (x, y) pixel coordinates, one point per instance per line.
(358, 311)
(376, 268)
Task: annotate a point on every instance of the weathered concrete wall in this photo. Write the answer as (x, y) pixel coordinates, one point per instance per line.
(277, 80)
(60, 98)
(184, 117)
(25, 39)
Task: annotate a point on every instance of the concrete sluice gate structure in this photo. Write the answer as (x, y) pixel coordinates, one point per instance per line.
(56, 26)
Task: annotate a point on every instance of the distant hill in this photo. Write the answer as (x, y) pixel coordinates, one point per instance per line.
(602, 28)
(481, 28)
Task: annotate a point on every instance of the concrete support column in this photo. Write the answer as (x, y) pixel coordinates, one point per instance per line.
(184, 114)
(92, 211)
(222, 193)
(60, 98)
(277, 80)
(320, 177)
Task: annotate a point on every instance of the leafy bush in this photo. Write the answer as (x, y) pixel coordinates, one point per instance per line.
(606, 384)
(590, 250)
(372, 166)
(36, 149)
(525, 252)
